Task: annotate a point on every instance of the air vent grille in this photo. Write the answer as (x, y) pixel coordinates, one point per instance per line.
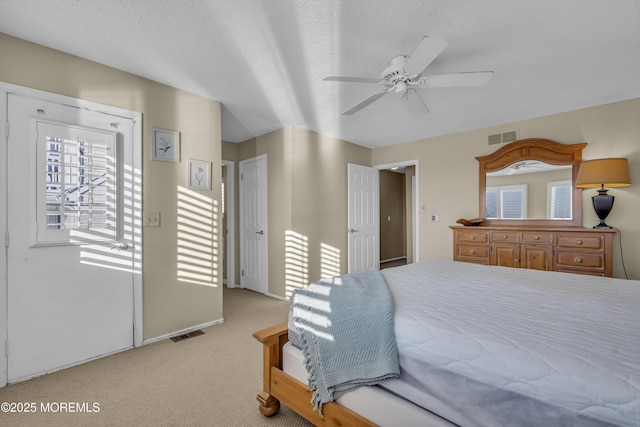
(509, 136)
(502, 138)
(186, 336)
(495, 139)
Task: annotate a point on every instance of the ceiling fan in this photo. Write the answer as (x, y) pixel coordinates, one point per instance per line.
(528, 166)
(405, 73)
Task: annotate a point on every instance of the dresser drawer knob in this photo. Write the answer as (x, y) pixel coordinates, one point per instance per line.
(536, 238)
(473, 252)
(473, 237)
(504, 236)
(578, 242)
(579, 260)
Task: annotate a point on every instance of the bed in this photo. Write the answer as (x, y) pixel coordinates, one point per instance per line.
(485, 346)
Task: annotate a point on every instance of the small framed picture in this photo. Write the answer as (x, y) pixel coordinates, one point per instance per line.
(199, 175)
(166, 145)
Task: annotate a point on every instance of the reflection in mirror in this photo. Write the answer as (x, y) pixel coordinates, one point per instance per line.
(529, 189)
(510, 190)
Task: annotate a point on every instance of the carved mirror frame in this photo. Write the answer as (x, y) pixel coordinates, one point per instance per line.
(543, 150)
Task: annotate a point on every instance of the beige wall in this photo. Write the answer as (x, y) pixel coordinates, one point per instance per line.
(307, 203)
(319, 196)
(448, 172)
(169, 305)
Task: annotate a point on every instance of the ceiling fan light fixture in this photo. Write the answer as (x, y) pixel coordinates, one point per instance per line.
(404, 72)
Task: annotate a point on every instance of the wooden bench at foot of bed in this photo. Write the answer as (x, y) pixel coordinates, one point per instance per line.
(280, 387)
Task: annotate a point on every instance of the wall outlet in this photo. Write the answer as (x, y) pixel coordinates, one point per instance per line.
(435, 218)
(151, 219)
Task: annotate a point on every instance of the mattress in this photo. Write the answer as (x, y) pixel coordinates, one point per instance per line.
(498, 346)
(375, 404)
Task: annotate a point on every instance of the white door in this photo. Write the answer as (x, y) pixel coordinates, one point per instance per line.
(253, 220)
(70, 221)
(363, 223)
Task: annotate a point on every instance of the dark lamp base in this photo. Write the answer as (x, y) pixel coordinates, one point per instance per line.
(602, 204)
(602, 225)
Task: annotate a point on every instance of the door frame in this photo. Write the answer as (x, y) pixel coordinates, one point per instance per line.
(230, 238)
(416, 207)
(136, 117)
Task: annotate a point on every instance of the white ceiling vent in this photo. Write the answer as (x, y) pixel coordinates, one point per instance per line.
(503, 138)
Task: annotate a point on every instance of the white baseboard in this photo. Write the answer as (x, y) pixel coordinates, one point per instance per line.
(277, 297)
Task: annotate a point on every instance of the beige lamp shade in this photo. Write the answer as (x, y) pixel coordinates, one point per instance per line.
(603, 172)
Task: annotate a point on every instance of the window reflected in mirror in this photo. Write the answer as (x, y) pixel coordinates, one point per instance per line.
(529, 189)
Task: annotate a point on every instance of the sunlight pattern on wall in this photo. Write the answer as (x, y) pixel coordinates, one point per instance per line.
(296, 261)
(133, 214)
(329, 261)
(125, 254)
(197, 243)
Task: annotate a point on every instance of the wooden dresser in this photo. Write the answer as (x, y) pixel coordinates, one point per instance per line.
(573, 250)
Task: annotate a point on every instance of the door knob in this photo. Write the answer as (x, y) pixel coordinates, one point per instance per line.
(121, 246)
(260, 232)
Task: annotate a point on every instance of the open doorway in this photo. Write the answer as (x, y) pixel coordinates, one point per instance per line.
(398, 213)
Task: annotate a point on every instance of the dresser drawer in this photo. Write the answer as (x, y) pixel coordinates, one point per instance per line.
(586, 260)
(580, 241)
(476, 254)
(505, 236)
(533, 237)
(469, 251)
(473, 237)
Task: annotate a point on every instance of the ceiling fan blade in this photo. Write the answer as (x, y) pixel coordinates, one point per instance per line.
(479, 78)
(428, 49)
(353, 79)
(366, 102)
(414, 102)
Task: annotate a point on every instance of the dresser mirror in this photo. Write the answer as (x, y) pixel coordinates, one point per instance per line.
(531, 182)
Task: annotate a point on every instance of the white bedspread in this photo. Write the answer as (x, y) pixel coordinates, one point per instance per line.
(514, 347)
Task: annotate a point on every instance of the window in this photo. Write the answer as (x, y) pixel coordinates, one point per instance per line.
(77, 191)
(507, 202)
(559, 199)
(76, 184)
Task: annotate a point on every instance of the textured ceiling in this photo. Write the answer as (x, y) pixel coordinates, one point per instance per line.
(265, 59)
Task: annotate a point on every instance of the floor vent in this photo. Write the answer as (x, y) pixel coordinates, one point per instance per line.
(186, 336)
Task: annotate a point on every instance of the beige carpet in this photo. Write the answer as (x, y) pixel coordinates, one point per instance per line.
(207, 380)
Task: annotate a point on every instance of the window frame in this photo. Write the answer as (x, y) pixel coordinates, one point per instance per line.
(499, 190)
(551, 186)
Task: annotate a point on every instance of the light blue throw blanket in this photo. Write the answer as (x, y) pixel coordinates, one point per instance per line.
(346, 324)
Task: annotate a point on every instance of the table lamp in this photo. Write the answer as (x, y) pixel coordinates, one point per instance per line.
(601, 173)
